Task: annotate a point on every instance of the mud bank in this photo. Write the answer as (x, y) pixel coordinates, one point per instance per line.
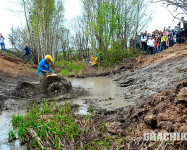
(163, 112)
(144, 82)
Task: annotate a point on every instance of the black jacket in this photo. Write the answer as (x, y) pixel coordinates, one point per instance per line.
(185, 24)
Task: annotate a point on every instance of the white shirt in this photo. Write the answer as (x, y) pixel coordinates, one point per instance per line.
(1, 40)
(151, 43)
(143, 39)
(182, 24)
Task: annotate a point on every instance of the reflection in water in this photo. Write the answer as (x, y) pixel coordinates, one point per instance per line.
(101, 88)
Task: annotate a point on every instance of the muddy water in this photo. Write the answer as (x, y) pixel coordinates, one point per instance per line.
(5, 126)
(102, 93)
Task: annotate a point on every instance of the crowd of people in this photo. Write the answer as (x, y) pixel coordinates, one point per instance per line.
(161, 40)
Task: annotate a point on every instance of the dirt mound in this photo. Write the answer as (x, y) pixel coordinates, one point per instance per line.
(12, 70)
(163, 112)
(127, 64)
(15, 67)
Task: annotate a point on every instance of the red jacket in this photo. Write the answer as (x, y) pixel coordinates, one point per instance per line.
(156, 43)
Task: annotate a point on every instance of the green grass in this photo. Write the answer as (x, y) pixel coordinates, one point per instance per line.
(12, 54)
(11, 135)
(56, 127)
(34, 122)
(71, 68)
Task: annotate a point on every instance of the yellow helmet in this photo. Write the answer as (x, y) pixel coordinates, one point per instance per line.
(48, 58)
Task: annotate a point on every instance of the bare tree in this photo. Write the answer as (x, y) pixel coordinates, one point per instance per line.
(179, 5)
(18, 37)
(43, 20)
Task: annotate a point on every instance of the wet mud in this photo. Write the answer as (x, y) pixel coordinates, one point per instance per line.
(145, 99)
(152, 79)
(165, 112)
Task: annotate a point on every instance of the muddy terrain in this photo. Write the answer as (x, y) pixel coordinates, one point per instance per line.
(163, 112)
(152, 79)
(155, 83)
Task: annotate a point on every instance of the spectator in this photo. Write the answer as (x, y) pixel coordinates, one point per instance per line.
(138, 39)
(27, 52)
(2, 42)
(84, 58)
(169, 29)
(153, 35)
(163, 42)
(150, 45)
(157, 45)
(167, 32)
(167, 42)
(147, 34)
(175, 34)
(143, 41)
(183, 26)
(157, 33)
(94, 58)
(171, 42)
(93, 61)
(178, 34)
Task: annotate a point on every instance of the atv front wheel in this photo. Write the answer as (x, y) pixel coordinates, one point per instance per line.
(55, 89)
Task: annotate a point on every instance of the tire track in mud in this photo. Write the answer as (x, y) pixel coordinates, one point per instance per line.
(152, 79)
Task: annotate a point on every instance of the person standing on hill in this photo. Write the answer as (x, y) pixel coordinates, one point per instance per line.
(27, 52)
(150, 45)
(183, 26)
(157, 46)
(2, 42)
(178, 34)
(143, 41)
(137, 42)
(163, 42)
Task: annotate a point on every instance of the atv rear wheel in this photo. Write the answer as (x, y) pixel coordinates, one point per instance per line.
(55, 89)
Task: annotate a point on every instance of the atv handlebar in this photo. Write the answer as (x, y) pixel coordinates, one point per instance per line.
(45, 71)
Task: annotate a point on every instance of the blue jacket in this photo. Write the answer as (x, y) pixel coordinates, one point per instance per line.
(43, 65)
(27, 50)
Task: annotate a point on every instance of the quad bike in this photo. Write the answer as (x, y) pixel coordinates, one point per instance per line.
(53, 85)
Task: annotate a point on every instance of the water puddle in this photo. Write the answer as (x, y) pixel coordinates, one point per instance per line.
(5, 126)
(100, 90)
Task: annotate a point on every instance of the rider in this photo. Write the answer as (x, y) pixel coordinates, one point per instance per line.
(44, 67)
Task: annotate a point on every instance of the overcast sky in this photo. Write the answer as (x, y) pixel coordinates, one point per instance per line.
(10, 17)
